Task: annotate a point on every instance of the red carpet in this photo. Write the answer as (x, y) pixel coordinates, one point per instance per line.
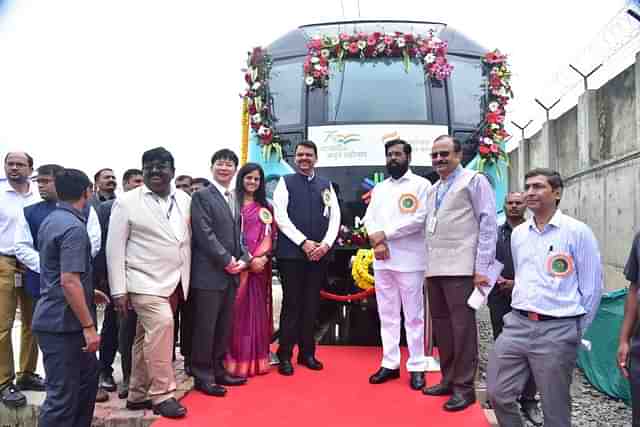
(340, 395)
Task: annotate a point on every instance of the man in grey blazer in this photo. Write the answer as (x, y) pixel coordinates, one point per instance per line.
(149, 262)
(218, 256)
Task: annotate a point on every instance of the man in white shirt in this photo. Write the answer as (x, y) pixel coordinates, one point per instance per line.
(15, 194)
(395, 223)
(308, 215)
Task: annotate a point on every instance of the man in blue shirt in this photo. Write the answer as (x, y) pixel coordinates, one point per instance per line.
(65, 316)
(557, 289)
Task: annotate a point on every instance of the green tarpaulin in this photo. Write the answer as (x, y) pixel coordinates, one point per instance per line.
(600, 365)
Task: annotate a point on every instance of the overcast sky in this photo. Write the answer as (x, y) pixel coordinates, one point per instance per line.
(94, 83)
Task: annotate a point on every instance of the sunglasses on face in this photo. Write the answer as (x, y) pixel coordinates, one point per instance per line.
(442, 154)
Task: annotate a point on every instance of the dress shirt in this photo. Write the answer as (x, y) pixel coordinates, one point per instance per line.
(12, 204)
(169, 208)
(482, 198)
(405, 232)
(285, 225)
(29, 256)
(536, 289)
(227, 193)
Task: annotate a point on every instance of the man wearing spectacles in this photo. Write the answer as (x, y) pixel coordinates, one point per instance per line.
(461, 237)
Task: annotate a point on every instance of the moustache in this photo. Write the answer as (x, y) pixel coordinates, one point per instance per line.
(441, 162)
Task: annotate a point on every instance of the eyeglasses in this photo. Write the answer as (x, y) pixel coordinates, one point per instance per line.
(443, 154)
(159, 166)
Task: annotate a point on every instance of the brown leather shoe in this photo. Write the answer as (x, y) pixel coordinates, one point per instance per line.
(102, 396)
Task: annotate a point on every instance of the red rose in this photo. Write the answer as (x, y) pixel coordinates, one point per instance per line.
(484, 149)
(353, 48)
(495, 149)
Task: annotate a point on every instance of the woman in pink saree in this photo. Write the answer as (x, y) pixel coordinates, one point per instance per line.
(248, 353)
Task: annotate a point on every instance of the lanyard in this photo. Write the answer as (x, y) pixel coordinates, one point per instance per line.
(440, 197)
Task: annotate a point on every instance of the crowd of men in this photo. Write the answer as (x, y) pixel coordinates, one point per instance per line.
(169, 251)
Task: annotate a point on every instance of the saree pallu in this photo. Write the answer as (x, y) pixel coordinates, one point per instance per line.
(248, 353)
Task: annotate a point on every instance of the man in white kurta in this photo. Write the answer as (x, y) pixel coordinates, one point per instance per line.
(395, 224)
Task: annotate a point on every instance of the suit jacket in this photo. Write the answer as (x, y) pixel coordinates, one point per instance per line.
(144, 254)
(100, 276)
(217, 236)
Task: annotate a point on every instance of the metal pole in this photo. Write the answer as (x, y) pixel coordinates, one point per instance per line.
(522, 128)
(546, 109)
(585, 77)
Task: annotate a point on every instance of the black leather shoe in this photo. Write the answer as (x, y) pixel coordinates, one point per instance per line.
(458, 402)
(107, 382)
(230, 380)
(532, 412)
(12, 397)
(438, 390)
(310, 362)
(123, 393)
(210, 389)
(170, 408)
(417, 380)
(139, 406)
(285, 367)
(30, 382)
(383, 375)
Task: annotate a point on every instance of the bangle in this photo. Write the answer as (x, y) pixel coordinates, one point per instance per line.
(88, 326)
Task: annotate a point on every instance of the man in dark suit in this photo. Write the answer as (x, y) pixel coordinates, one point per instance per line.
(217, 258)
(125, 327)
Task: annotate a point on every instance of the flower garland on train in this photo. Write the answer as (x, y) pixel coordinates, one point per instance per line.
(259, 102)
(428, 49)
(492, 131)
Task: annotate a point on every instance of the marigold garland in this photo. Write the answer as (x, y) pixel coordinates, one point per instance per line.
(360, 269)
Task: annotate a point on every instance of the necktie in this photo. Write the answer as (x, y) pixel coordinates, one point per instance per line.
(229, 196)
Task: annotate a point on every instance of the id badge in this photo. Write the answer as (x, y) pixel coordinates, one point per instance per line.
(431, 225)
(17, 280)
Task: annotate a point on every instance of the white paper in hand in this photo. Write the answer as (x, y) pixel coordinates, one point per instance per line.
(479, 298)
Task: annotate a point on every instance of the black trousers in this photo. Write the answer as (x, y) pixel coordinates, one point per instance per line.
(72, 380)
(108, 340)
(182, 329)
(212, 322)
(499, 306)
(126, 336)
(301, 284)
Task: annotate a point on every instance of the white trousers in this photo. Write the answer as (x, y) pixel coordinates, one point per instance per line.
(397, 291)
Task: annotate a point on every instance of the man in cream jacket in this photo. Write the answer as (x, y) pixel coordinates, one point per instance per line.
(148, 260)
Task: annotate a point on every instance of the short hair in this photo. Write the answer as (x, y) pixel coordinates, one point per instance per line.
(71, 184)
(130, 173)
(309, 144)
(97, 175)
(204, 181)
(50, 169)
(406, 147)
(224, 154)
(29, 158)
(457, 145)
(553, 177)
(159, 153)
(183, 177)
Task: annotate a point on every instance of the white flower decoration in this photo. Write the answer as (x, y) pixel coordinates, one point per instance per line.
(401, 42)
(256, 118)
(317, 67)
(493, 106)
(315, 59)
(487, 141)
(325, 53)
(429, 58)
(309, 80)
(256, 86)
(362, 44)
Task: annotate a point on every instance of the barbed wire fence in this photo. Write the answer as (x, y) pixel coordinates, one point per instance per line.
(611, 50)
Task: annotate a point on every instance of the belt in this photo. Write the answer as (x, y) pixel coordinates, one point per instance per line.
(543, 317)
